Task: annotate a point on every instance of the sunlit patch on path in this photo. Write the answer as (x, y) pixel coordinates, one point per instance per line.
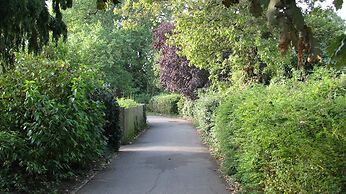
(167, 158)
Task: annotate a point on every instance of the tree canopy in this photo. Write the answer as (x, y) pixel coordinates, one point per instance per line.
(27, 24)
(176, 74)
(243, 69)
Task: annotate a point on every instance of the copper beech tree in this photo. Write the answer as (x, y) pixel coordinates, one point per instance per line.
(176, 74)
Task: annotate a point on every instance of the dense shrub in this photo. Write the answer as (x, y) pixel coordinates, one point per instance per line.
(111, 126)
(142, 98)
(165, 103)
(186, 107)
(204, 111)
(49, 124)
(286, 138)
(127, 102)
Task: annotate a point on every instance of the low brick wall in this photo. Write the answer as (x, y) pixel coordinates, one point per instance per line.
(132, 122)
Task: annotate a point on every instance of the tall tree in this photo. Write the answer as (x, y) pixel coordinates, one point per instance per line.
(176, 74)
(27, 24)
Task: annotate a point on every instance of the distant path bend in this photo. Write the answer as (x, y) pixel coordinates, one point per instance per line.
(167, 159)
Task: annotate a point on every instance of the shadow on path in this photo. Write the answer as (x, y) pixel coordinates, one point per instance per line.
(167, 159)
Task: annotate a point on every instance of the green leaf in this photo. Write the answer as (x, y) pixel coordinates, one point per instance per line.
(337, 51)
(338, 4)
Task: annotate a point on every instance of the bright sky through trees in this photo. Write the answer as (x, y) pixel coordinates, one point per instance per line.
(341, 12)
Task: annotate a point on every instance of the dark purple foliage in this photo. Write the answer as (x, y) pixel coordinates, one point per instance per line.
(160, 35)
(176, 75)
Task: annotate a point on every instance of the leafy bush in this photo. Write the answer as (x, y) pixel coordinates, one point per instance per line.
(185, 107)
(286, 138)
(111, 127)
(126, 102)
(165, 103)
(49, 124)
(204, 111)
(142, 98)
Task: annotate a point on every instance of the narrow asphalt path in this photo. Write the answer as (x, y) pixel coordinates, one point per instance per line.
(167, 159)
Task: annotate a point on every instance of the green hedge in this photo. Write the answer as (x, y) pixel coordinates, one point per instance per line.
(52, 123)
(186, 107)
(111, 127)
(286, 138)
(164, 103)
(127, 102)
(204, 111)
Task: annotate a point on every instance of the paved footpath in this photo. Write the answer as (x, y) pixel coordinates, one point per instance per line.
(167, 159)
